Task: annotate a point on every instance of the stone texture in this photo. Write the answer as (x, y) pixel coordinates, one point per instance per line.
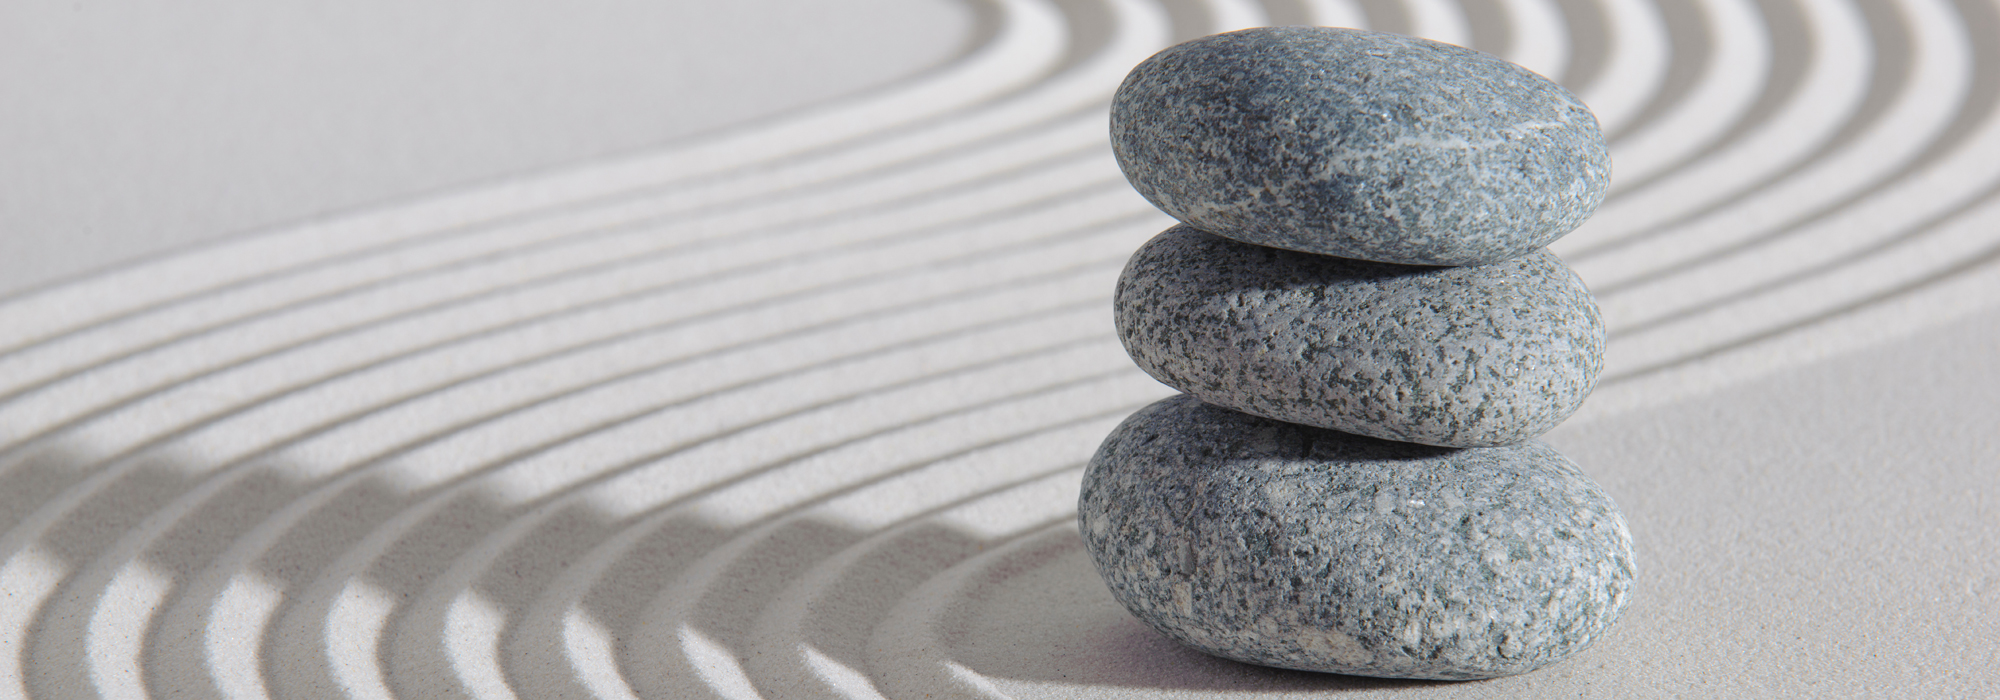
(1359, 144)
(1291, 546)
(1453, 356)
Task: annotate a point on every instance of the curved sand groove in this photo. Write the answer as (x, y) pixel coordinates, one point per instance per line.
(1836, 263)
(719, 596)
(682, 427)
(1787, 47)
(985, 525)
(1109, 261)
(1949, 271)
(1336, 13)
(1897, 200)
(1014, 55)
(581, 587)
(1914, 241)
(199, 495)
(433, 294)
(1586, 40)
(1830, 90)
(447, 598)
(1634, 68)
(914, 645)
(933, 325)
(101, 675)
(1733, 71)
(1227, 15)
(265, 535)
(698, 455)
(1922, 109)
(399, 255)
(1889, 53)
(964, 634)
(707, 459)
(811, 640)
(1538, 37)
(1440, 20)
(183, 407)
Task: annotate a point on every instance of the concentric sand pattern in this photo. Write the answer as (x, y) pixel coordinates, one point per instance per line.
(796, 410)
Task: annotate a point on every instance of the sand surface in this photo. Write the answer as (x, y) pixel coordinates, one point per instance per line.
(636, 351)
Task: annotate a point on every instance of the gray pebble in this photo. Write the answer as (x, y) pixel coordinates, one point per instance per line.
(1359, 144)
(1453, 356)
(1291, 546)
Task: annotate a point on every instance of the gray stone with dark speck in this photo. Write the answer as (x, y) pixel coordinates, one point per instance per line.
(1359, 144)
(1455, 356)
(1291, 546)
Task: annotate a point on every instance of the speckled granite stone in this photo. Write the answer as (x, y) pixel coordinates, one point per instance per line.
(1453, 356)
(1359, 144)
(1291, 546)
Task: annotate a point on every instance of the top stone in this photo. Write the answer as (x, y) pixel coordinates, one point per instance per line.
(1359, 144)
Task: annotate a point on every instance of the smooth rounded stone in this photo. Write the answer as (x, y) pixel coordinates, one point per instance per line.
(1452, 356)
(1291, 546)
(1359, 144)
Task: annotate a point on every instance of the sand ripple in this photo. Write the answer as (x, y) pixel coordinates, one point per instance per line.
(798, 410)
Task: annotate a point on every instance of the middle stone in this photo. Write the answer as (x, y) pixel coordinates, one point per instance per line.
(1449, 356)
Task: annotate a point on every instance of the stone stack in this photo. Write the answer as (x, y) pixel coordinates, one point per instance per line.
(1369, 333)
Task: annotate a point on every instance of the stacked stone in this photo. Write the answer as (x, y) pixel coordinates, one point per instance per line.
(1369, 333)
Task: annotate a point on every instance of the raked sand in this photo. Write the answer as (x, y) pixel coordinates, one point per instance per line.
(795, 406)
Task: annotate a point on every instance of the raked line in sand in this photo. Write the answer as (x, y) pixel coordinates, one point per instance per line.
(797, 410)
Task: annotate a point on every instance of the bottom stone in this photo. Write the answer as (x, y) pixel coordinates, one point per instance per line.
(1298, 547)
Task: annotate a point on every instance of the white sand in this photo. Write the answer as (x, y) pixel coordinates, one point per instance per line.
(795, 405)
